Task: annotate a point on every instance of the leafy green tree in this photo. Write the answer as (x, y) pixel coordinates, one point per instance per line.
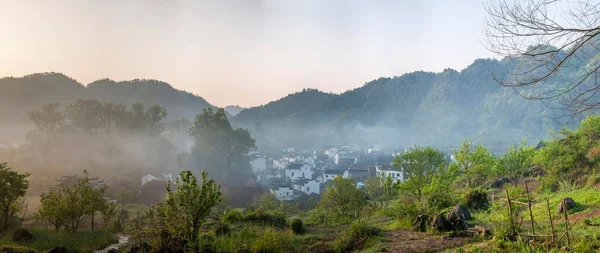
(218, 146)
(419, 167)
(107, 212)
(185, 209)
(48, 119)
(13, 187)
(474, 163)
(342, 198)
(516, 161)
(68, 207)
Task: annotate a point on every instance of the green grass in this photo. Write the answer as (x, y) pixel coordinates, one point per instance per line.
(81, 241)
(588, 197)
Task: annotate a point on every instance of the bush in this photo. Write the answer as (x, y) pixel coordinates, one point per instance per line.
(221, 228)
(297, 226)
(477, 199)
(355, 237)
(272, 241)
(274, 218)
(232, 215)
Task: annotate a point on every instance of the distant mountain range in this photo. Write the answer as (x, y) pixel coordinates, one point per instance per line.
(23, 94)
(417, 108)
(234, 109)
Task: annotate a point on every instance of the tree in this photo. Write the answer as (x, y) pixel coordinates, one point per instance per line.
(48, 119)
(419, 167)
(185, 209)
(68, 207)
(515, 162)
(474, 163)
(107, 212)
(546, 40)
(84, 115)
(13, 187)
(342, 198)
(109, 116)
(218, 146)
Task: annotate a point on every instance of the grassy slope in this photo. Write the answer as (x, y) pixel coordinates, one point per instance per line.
(81, 241)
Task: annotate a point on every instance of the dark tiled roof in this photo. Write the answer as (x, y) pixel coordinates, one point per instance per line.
(295, 166)
(358, 167)
(336, 172)
(301, 181)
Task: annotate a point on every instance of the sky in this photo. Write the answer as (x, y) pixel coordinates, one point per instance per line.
(244, 52)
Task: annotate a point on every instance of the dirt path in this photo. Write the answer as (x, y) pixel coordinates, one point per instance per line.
(407, 241)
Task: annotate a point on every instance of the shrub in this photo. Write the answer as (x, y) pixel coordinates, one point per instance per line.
(232, 215)
(477, 199)
(221, 228)
(274, 218)
(272, 241)
(297, 226)
(355, 236)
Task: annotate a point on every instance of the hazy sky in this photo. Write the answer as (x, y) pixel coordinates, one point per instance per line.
(245, 52)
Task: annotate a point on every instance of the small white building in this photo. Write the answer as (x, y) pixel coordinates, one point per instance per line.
(282, 192)
(150, 177)
(281, 164)
(329, 175)
(307, 186)
(296, 171)
(394, 174)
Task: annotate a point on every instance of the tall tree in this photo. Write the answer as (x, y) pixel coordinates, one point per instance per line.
(342, 198)
(474, 163)
(419, 167)
(545, 39)
(186, 208)
(85, 115)
(13, 187)
(48, 119)
(516, 161)
(219, 148)
(109, 115)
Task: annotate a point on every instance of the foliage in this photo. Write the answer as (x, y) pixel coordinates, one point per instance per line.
(271, 241)
(218, 146)
(221, 228)
(80, 241)
(516, 161)
(477, 199)
(420, 167)
(341, 199)
(474, 163)
(107, 212)
(67, 207)
(13, 186)
(297, 226)
(185, 209)
(355, 236)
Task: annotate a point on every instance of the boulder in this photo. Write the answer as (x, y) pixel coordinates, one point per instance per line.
(567, 203)
(22, 235)
(114, 250)
(459, 212)
(59, 249)
(498, 184)
(441, 224)
(420, 223)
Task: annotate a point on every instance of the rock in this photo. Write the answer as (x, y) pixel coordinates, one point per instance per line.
(22, 235)
(59, 249)
(569, 203)
(498, 184)
(459, 212)
(441, 224)
(114, 250)
(420, 223)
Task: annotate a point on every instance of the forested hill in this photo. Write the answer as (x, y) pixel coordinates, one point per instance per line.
(23, 94)
(416, 108)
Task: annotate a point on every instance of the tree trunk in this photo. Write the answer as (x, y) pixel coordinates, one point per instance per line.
(92, 222)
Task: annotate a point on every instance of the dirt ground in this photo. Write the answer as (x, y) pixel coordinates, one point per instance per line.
(407, 241)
